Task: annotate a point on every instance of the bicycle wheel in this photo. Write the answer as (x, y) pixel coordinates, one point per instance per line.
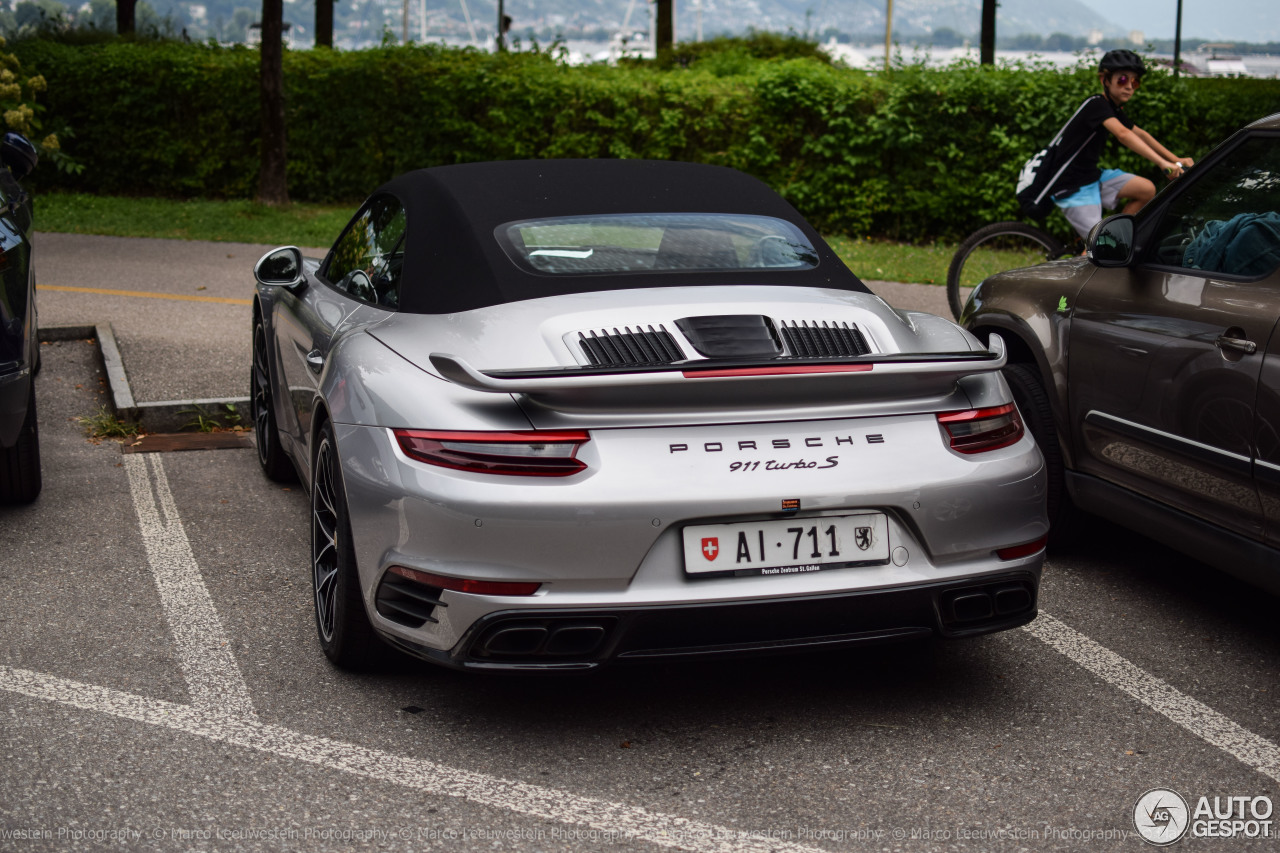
(992, 249)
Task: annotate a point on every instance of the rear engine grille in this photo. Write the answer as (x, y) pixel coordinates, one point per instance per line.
(628, 347)
(823, 339)
(407, 603)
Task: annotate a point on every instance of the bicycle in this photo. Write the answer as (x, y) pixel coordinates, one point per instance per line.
(994, 248)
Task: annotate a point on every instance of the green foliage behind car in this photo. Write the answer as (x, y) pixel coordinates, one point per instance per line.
(914, 152)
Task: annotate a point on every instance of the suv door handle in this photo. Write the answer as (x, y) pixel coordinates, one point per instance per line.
(1238, 344)
(315, 361)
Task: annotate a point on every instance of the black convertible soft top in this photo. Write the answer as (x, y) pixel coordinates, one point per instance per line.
(453, 262)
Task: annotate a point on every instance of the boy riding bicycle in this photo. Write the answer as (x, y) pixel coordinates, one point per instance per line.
(1082, 189)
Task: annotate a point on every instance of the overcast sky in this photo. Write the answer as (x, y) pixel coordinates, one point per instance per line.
(1225, 20)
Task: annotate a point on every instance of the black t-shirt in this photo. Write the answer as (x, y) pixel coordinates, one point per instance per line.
(1087, 121)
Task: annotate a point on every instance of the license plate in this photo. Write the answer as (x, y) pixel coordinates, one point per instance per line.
(786, 547)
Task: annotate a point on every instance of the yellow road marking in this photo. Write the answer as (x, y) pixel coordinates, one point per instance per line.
(221, 300)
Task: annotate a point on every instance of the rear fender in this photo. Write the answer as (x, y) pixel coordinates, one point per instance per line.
(367, 383)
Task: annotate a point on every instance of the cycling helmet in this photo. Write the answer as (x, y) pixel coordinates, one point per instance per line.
(1121, 60)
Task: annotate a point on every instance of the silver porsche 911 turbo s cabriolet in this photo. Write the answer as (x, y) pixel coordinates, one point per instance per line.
(555, 414)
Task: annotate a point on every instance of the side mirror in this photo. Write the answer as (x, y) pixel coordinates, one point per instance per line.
(17, 152)
(280, 267)
(1110, 242)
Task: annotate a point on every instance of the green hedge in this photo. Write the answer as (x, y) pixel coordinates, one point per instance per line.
(912, 154)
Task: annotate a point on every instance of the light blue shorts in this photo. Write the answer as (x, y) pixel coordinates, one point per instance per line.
(1083, 208)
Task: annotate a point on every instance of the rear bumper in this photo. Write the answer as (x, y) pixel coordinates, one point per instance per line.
(607, 547)
(569, 639)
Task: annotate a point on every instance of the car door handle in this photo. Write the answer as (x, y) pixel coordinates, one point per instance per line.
(1133, 351)
(315, 361)
(1238, 344)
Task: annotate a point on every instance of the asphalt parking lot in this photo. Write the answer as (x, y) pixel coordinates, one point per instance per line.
(161, 687)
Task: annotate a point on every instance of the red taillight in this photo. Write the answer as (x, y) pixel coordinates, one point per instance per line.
(466, 584)
(523, 454)
(1015, 552)
(980, 430)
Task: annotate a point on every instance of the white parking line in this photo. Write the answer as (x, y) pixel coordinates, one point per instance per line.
(1196, 717)
(618, 820)
(213, 678)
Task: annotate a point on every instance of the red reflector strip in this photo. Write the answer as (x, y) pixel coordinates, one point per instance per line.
(466, 585)
(524, 437)
(776, 371)
(522, 454)
(1015, 552)
(975, 414)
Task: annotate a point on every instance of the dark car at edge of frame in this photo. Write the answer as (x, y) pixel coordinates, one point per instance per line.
(1149, 370)
(20, 475)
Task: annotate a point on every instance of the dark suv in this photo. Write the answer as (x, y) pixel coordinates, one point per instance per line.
(19, 349)
(1149, 371)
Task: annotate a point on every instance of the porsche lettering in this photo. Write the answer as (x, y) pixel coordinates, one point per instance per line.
(772, 444)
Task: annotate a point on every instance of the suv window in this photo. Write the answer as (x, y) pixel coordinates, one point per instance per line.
(366, 260)
(1228, 221)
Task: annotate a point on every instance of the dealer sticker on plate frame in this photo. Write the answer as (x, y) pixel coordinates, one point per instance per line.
(787, 546)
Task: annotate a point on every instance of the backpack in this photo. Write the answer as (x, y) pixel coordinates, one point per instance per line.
(1035, 190)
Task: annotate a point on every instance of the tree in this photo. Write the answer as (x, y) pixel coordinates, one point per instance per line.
(1025, 41)
(946, 37)
(42, 15)
(665, 37)
(125, 20)
(988, 35)
(324, 23)
(1061, 42)
(101, 15)
(242, 20)
(272, 184)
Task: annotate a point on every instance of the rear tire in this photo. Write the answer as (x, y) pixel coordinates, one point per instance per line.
(271, 455)
(992, 248)
(1033, 403)
(341, 620)
(20, 478)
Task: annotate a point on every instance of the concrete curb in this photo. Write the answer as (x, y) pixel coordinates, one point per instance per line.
(162, 416)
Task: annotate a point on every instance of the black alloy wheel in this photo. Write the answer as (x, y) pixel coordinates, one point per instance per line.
(271, 455)
(341, 620)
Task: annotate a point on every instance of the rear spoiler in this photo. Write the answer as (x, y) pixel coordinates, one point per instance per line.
(775, 381)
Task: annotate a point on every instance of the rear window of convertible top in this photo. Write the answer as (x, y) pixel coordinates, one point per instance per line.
(655, 242)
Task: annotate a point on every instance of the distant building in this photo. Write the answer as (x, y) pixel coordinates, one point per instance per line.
(254, 35)
(1218, 60)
